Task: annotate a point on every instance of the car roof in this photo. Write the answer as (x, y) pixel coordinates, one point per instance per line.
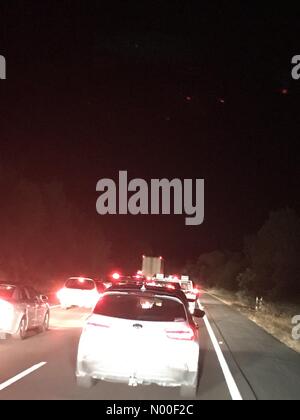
(166, 282)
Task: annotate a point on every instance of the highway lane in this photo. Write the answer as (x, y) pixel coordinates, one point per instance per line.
(271, 369)
(247, 365)
(56, 379)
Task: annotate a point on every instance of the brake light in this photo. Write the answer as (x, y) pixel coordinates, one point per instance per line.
(195, 291)
(6, 312)
(60, 293)
(184, 334)
(170, 286)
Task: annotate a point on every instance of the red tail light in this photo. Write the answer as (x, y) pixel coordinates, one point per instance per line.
(6, 312)
(184, 334)
(59, 293)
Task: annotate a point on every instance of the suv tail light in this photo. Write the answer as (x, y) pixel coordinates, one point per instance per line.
(6, 312)
(5, 306)
(183, 334)
(60, 293)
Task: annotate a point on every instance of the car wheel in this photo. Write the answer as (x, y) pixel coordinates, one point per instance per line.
(45, 326)
(188, 392)
(21, 333)
(85, 381)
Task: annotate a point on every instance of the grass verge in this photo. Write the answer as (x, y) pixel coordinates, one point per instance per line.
(276, 319)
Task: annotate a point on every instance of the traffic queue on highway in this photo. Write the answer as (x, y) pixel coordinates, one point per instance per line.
(140, 331)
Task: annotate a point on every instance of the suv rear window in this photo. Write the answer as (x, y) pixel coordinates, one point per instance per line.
(141, 308)
(82, 284)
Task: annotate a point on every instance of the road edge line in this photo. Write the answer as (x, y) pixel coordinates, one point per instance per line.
(231, 384)
(21, 375)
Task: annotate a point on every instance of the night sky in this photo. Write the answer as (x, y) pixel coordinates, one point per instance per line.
(161, 90)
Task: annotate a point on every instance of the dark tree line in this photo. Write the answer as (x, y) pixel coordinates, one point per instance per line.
(269, 264)
(44, 237)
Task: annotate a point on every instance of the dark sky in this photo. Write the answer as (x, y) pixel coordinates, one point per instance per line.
(161, 90)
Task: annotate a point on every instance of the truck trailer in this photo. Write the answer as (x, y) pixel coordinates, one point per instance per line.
(152, 266)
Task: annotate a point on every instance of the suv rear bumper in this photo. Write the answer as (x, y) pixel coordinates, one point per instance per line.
(167, 376)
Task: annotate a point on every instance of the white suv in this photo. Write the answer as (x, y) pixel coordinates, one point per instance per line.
(78, 291)
(123, 340)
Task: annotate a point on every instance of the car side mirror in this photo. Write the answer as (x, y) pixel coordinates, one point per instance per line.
(44, 298)
(198, 313)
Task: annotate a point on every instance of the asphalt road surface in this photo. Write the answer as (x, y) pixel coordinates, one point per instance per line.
(238, 361)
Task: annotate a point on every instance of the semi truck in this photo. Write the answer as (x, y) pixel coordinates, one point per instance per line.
(152, 266)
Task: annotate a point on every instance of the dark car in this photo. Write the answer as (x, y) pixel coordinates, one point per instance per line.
(137, 286)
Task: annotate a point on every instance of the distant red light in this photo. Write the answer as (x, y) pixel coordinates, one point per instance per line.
(197, 291)
(116, 276)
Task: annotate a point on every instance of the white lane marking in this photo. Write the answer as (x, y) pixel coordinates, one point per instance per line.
(232, 386)
(21, 375)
